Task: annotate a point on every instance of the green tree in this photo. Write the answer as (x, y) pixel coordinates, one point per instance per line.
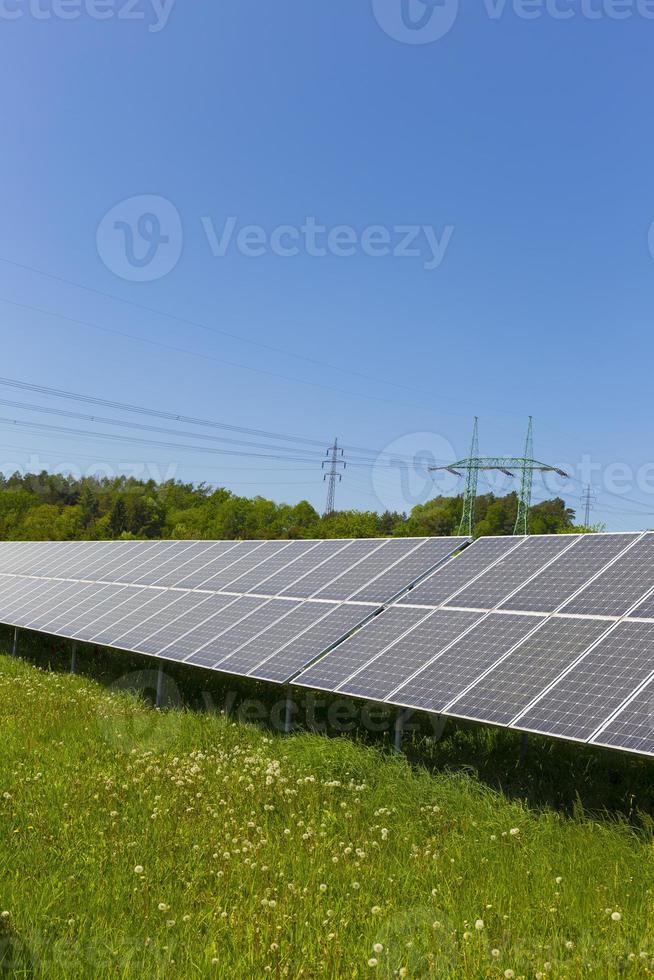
(118, 518)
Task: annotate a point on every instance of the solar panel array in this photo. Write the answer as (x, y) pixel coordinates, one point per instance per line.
(551, 634)
(259, 608)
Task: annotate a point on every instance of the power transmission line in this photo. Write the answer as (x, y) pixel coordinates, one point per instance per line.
(220, 331)
(177, 417)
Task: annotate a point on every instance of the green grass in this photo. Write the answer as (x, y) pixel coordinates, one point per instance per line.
(264, 855)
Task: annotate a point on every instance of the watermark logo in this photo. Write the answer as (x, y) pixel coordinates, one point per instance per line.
(401, 477)
(140, 239)
(145, 730)
(416, 21)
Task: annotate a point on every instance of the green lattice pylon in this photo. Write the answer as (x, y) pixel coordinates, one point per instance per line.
(509, 465)
(467, 525)
(526, 481)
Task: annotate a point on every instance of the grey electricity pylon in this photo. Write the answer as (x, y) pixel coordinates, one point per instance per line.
(333, 475)
(588, 500)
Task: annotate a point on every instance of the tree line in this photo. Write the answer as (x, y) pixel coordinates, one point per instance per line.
(45, 506)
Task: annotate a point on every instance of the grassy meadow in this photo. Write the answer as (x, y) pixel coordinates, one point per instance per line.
(137, 843)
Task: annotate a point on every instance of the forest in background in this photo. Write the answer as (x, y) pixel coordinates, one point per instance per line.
(45, 506)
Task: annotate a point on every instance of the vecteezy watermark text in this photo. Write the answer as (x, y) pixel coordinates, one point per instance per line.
(141, 239)
(317, 240)
(426, 21)
(154, 13)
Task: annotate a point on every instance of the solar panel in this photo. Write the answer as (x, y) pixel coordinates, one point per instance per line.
(13, 590)
(144, 571)
(42, 590)
(585, 697)
(71, 558)
(201, 645)
(276, 636)
(645, 610)
(89, 563)
(223, 580)
(285, 663)
(560, 580)
(157, 619)
(230, 642)
(259, 579)
(33, 558)
(361, 574)
(171, 640)
(142, 561)
(94, 606)
(334, 669)
(49, 561)
(170, 562)
(10, 553)
(194, 564)
(309, 563)
(130, 598)
(622, 584)
(28, 597)
(218, 559)
(511, 571)
(384, 674)
(69, 595)
(512, 685)
(31, 614)
(334, 567)
(633, 728)
(455, 574)
(109, 627)
(81, 598)
(414, 566)
(458, 665)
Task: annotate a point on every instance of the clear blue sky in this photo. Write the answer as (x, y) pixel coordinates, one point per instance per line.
(530, 140)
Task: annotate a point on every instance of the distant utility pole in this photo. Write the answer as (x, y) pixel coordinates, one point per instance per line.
(333, 474)
(588, 499)
(526, 465)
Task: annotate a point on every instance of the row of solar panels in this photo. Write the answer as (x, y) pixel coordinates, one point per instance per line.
(366, 570)
(265, 609)
(553, 634)
(550, 634)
